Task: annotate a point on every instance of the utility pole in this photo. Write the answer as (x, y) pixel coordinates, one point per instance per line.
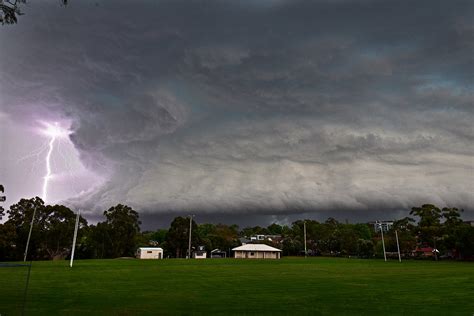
(398, 247)
(304, 228)
(190, 233)
(74, 238)
(383, 242)
(29, 234)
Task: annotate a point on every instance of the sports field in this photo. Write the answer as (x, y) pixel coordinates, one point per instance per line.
(326, 286)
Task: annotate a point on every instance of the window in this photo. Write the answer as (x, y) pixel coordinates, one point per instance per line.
(252, 254)
(149, 251)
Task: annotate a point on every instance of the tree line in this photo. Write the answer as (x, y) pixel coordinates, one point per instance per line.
(119, 234)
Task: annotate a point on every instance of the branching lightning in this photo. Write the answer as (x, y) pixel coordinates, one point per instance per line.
(56, 160)
(54, 132)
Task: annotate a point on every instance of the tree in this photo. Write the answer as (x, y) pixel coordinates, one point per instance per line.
(365, 248)
(122, 226)
(2, 198)
(97, 242)
(7, 242)
(429, 225)
(464, 236)
(404, 225)
(9, 9)
(52, 232)
(452, 230)
(218, 236)
(178, 236)
(452, 216)
(19, 217)
(59, 230)
(275, 229)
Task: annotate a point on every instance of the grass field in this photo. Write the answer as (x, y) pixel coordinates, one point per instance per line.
(326, 286)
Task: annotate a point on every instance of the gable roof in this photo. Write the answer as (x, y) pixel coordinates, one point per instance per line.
(255, 247)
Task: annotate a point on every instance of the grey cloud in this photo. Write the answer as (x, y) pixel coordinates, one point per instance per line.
(227, 107)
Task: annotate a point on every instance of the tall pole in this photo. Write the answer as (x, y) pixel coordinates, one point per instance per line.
(304, 228)
(383, 242)
(74, 238)
(190, 233)
(29, 234)
(398, 247)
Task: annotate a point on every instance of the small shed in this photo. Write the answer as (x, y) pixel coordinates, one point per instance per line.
(149, 253)
(256, 251)
(217, 253)
(200, 253)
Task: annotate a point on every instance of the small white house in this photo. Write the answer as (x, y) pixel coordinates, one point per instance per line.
(149, 253)
(256, 251)
(200, 253)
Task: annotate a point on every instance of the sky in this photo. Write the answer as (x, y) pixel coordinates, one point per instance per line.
(247, 112)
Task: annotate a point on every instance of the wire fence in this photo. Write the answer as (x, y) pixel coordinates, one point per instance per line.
(14, 281)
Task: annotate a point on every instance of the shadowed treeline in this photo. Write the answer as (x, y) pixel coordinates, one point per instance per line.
(118, 235)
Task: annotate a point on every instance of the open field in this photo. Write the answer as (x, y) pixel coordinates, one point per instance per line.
(328, 286)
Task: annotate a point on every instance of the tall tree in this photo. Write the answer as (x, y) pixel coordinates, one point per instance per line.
(178, 236)
(429, 225)
(452, 230)
(19, 217)
(52, 232)
(59, 230)
(122, 226)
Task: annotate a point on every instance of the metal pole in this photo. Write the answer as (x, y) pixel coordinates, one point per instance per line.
(29, 235)
(398, 247)
(304, 228)
(190, 232)
(74, 238)
(25, 293)
(383, 242)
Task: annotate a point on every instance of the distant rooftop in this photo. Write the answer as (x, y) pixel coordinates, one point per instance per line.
(255, 247)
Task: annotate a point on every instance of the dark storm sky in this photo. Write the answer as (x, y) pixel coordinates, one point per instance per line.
(254, 111)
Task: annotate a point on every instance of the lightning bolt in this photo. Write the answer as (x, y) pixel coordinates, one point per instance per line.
(56, 159)
(54, 131)
(48, 166)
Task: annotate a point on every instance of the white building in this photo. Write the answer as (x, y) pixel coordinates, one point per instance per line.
(200, 253)
(382, 225)
(149, 253)
(256, 251)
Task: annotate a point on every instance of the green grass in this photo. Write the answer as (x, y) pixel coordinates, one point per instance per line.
(295, 286)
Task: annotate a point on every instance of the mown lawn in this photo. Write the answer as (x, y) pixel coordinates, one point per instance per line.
(316, 286)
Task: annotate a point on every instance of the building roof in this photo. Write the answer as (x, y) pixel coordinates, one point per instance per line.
(150, 248)
(424, 249)
(217, 250)
(255, 247)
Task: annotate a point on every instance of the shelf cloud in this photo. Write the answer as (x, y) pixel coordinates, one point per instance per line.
(279, 108)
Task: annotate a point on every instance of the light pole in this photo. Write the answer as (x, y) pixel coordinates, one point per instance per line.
(74, 238)
(383, 242)
(398, 247)
(190, 233)
(29, 234)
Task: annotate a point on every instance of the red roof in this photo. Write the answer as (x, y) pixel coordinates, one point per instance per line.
(424, 249)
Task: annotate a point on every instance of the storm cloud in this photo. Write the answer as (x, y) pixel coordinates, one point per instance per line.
(278, 108)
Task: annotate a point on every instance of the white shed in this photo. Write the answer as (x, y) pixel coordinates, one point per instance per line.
(149, 253)
(200, 253)
(256, 251)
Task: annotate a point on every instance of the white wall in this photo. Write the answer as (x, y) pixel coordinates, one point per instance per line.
(150, 254)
